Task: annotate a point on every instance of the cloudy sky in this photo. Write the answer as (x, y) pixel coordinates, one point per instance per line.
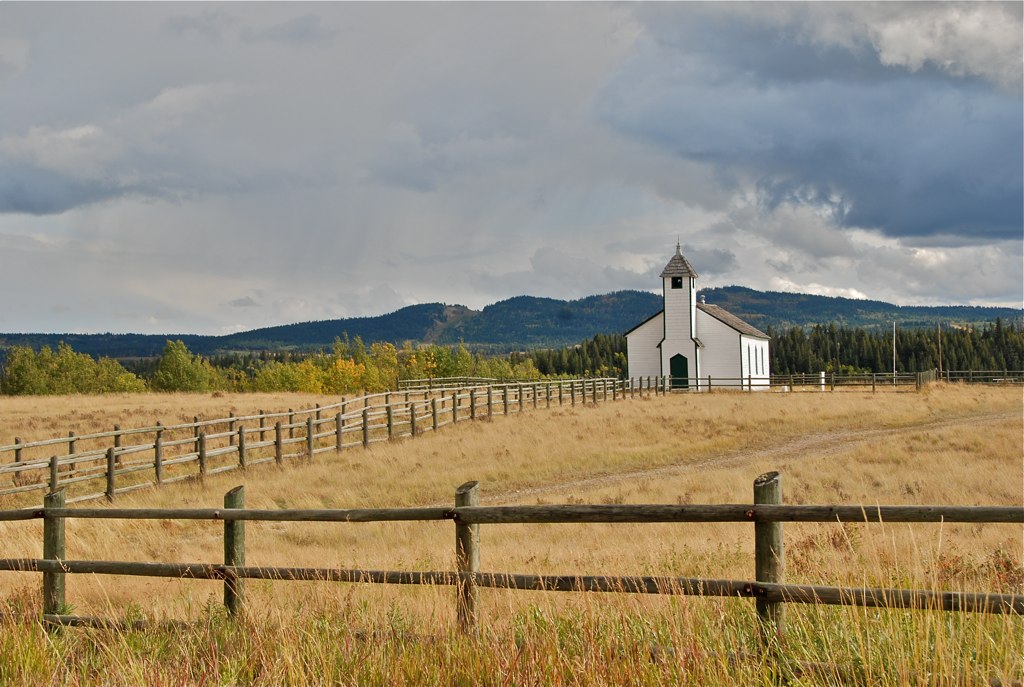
(207, 168)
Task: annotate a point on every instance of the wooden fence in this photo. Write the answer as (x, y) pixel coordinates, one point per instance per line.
(767, 513)
(105, 464)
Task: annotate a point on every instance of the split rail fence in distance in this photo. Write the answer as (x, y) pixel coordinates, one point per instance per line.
(125, 460)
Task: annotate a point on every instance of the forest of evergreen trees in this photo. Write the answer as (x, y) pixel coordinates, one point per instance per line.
(826, 347)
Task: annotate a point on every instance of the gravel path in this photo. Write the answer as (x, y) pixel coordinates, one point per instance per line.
(820, 444)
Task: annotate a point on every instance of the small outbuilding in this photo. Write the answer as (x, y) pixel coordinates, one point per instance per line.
(690, 342)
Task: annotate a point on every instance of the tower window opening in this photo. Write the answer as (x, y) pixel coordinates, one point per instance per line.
(677, 282)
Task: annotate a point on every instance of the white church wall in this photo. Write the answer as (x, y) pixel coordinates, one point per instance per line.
(642, 348)
(721, 354)
(755, 363)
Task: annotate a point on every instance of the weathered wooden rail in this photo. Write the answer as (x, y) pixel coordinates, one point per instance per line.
(124, 460)
(766, 513)
(127, 459)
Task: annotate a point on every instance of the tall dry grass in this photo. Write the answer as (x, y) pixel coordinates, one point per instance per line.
(950, 444)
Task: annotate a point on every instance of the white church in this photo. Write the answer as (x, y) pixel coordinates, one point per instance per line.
(694, 343)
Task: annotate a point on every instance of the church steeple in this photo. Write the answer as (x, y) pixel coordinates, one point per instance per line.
(678, 266)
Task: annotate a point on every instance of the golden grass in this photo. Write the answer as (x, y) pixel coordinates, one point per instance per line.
(947, 445)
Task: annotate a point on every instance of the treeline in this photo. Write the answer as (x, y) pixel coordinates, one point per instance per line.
(842, 349)
(349, 367)
(828, 348)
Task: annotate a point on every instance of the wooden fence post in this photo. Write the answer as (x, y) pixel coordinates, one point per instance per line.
(54, 474)
(472, 404)
(53, 549)
(339, 437)
(547, 394)
(263, 424)
(310, 436)
(241, 447)
(158, 454)
(17, 451)
(490, 402)
(278, 442)
(455, 407)
(433, 412)
(231, 428)
(234, 552)
(467, 557)
(291, 423)
(202, 455)
(504, 398)
(519, 397)
(71, 443)
(366, 426)
(412, 419)
(572, 392)
(112, 471)
(769, 557)
(117, 443)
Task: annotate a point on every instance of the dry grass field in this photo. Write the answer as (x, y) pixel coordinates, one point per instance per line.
(946, 445)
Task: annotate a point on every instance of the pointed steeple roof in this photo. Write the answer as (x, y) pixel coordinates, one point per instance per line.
(678, 266)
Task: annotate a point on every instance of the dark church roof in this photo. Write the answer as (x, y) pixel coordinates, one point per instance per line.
(678, 266)
(728, 318)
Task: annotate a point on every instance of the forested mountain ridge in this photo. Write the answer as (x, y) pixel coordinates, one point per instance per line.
(530, 322)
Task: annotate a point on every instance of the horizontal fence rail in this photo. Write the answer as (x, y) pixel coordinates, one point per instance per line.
(127, 459)
(767, 513)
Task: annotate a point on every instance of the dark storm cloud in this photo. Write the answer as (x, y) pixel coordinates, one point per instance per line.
(909, 154)
(35, 191)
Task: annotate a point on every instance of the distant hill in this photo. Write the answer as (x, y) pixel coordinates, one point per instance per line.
(529, 322)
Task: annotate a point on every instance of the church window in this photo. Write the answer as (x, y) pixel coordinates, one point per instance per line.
(677, 282)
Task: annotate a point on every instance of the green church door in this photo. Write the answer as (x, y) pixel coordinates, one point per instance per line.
(679, 368)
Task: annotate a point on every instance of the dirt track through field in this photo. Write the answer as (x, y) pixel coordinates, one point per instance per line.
(816, 445)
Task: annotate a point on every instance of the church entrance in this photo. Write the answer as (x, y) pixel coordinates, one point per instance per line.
(679, 368)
